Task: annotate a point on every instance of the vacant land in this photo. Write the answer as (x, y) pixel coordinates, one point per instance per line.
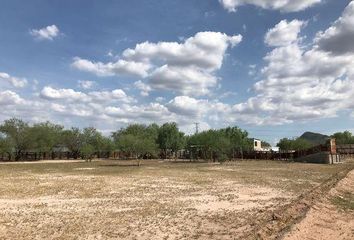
(159, 200)
(332, 217)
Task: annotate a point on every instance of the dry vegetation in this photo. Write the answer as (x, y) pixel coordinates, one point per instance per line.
(159, 200)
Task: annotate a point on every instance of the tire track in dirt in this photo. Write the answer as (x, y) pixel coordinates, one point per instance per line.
(278, 223)
(326, 219)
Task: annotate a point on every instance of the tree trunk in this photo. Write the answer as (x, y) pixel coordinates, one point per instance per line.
(10, 156)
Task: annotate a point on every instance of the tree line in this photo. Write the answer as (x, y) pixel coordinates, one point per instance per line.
(287, 144)
(141, 141)
(299, 143)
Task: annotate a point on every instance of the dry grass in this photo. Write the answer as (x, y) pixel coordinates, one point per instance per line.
(159, 200)
(345, 201)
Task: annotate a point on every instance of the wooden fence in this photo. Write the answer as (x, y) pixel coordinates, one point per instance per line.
(35, 156)
(185, 154)
(346, 150)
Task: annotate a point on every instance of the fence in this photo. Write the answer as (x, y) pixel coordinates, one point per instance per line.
(346, 150)
(35, 156)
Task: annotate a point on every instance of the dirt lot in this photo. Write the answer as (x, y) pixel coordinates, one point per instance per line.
(332, 217)
(159, 200)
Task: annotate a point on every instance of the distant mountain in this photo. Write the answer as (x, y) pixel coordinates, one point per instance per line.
(314, 138)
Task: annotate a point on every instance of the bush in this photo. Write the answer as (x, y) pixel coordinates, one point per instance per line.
(87, 152)
(222, 158)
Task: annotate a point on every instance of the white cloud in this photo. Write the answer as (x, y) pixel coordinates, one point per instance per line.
(153, 112)
(282, 5)
(302, 83)
(14, 81)
(338, 39)
(70, 95)
(185, 80)
(190, 109)
(284, 33)
(86, 84)
(298, 83)
(187, 106)
(12, 105)
(106, 96)
(144, 88)
(109, 110)
(120, 67)
(160, 99)
(205, 50)
(184, 68)
(9, 98)
(46, 33)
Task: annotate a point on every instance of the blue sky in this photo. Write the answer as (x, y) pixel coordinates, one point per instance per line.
(275, 68)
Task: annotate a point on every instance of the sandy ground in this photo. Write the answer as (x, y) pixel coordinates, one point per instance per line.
(135, 209)
(327, 220)
(156, 201)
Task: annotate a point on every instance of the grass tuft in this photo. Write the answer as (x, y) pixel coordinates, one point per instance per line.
(344, 201)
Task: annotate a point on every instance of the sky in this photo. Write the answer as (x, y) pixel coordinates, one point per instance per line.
(275, 68)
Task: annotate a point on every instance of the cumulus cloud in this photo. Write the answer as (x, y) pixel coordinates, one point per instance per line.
(201, 110)
(120, 67)
(298, 83)
(186, 68)
(50, 93)
(109, 109)
(152, 112)
(302, 83)
(338, 39)
(46, 33)
(284, 33)
(106, 96)
(9, 98)
(282, 5)
(14, 81)
(186, 80)
(144, 88)
(205, 50)
(187, 106)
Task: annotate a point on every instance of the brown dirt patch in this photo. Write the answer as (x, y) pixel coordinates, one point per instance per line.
(116, 200)
(328, 219)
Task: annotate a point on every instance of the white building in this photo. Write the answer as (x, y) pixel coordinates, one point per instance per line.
(257, 145)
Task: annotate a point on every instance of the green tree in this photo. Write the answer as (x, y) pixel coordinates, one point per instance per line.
(96, 139)
(73, 139)
(87, 152)
(137, 139)
(238, 139)
(170, 138)
(6, 146)
(45, 136)
(132, 129)
(137, 145)
(214, 144)
(18, 133)
(220, 144)
(345, 137)
(301, 144)
(287, 144)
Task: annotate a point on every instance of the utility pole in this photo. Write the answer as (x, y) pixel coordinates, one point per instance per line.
(196, 128)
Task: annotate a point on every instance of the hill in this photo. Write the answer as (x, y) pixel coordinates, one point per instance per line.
(314, 138)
